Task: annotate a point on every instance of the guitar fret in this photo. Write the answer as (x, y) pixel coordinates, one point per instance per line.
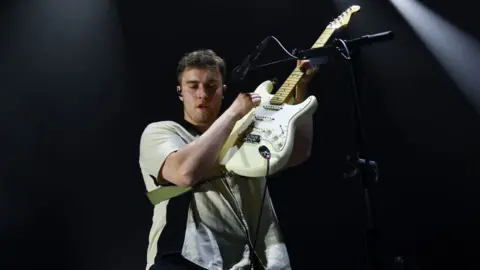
(287, 87)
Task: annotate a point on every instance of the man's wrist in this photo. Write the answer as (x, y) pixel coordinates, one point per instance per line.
(301, 92)
(231, 115)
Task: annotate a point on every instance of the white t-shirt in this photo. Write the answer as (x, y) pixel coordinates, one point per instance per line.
(213, 225)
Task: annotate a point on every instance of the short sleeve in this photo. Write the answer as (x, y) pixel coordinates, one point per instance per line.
(156, 143)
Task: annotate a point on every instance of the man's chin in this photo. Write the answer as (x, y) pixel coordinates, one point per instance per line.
(204, 120)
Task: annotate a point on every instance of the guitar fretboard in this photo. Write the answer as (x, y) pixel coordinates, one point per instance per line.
(285, 92)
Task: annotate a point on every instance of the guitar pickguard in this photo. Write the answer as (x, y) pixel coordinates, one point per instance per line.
(271, 124)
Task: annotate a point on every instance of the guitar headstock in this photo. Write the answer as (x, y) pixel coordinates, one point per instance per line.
(344, 18)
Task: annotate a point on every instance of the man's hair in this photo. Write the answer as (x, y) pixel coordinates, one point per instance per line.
(203, 58)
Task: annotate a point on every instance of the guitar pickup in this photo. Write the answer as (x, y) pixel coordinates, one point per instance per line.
(272, 107)
(263, 118)
(252, 138)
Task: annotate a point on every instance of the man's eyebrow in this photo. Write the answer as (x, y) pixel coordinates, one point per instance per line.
(209, 81)
(213, 81)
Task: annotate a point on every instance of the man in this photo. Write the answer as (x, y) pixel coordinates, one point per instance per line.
(214, 226)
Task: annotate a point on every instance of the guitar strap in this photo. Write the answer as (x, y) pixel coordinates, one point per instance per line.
(161, 194)
(164, 193)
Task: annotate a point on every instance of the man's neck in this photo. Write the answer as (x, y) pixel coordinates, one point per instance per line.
(198, 127)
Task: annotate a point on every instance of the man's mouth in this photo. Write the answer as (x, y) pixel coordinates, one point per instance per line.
(202, 107)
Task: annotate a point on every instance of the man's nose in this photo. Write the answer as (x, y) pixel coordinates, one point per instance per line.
(203, 92)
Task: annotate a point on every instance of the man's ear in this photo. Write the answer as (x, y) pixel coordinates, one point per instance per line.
(224, 88)
(179, 92)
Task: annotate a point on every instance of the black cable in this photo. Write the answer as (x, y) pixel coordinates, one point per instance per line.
(274, 62)
(292, 57)
(267, 157)
(240, 71)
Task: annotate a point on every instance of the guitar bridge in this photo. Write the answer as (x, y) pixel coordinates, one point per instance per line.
(252, 138)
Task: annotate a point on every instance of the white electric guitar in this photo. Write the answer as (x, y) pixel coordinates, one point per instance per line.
(273, 123)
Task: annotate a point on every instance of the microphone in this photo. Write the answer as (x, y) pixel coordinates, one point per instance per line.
(369, 39)
(240, 71)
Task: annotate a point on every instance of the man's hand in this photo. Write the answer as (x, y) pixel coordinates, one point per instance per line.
(243, 104)
(309, 72)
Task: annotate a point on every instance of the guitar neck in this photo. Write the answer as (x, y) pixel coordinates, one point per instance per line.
(285, 92)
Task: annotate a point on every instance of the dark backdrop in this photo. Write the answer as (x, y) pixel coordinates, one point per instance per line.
(80, 80)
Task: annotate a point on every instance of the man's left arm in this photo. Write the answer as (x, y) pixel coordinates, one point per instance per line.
(303, 138)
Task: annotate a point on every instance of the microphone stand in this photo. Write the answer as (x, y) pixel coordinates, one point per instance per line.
(364, 168)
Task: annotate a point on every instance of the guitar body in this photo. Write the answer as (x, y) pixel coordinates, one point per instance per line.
(267, 125)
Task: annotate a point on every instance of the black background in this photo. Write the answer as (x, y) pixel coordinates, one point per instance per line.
(80, 80)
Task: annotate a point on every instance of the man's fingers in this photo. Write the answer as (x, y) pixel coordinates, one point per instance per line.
(256, 99)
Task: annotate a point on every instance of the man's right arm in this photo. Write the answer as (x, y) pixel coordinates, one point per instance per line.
(194, 161)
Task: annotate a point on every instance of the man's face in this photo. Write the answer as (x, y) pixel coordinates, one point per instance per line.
(202, 94)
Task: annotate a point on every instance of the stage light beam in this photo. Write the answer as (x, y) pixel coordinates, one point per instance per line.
(456, 51)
